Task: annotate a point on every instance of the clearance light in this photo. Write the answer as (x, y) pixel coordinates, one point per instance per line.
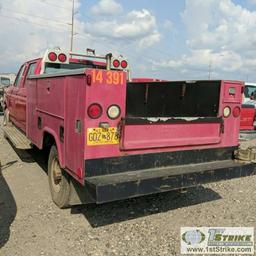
(116, 63)
(124, 64)
(114, 112)
(52, 56)
(227, 112)
(89, 80)
(236, 112)
(95, 111)
(62, 57)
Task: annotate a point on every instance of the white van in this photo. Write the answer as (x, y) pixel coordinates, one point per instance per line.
(250, 93)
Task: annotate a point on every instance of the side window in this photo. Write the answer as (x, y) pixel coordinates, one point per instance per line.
(20, 76)
(31, 69)
(5, 81)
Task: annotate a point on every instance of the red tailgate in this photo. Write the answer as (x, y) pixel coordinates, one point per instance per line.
(188, 133)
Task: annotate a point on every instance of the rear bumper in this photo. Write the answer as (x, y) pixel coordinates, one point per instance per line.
(128, 185)
(113, 179)
(128, 163)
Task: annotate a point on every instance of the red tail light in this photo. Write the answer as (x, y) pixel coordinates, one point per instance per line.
(236, 112)
(95, 111)
(52, 56)
(62, 57)
(124, 64)
(116, 63)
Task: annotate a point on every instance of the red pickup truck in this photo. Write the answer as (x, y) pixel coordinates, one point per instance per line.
(247, 118)
(112, 138)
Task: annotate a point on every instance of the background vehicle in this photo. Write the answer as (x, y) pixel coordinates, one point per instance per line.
(5, 81)
(248, 112)
(247, 118)
(249, 92)
(111, 139)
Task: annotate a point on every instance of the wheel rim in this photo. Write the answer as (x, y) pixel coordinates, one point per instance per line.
(56, 175)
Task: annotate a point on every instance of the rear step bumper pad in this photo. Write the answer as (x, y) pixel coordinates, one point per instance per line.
(120, 186)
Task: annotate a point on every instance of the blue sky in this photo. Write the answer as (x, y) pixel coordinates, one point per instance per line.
(176, 40)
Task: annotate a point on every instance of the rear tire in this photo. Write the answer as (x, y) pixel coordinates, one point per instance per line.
(58, 180)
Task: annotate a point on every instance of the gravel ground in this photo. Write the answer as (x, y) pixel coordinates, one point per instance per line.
(31, 225)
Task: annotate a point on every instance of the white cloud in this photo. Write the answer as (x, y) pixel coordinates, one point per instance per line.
(229, 61)
(218, 32)
(136, 26)
(219, 24)
(150, 40)
(27, 32)
(106, 7)
(27, 36)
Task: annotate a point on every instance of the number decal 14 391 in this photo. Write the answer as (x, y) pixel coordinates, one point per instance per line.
(111, 77)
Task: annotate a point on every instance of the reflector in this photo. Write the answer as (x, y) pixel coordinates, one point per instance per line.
(124, 64)
(62, 57)
(116, 63)
(52, 56)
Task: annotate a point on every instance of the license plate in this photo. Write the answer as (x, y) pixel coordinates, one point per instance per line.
(100, 136)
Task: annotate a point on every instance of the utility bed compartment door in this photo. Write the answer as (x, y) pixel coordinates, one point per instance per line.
(174, 134)
(171, 114)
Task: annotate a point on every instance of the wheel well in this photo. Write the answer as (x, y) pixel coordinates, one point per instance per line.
(48, 141)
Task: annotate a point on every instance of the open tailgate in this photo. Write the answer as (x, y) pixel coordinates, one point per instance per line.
(170, 114)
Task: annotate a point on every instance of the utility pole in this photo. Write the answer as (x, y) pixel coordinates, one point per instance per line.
(210, 70)
(72, 25)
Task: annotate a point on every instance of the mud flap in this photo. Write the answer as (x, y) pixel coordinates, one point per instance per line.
(247, 152)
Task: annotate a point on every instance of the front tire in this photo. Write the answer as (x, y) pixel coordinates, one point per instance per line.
(58, 180)
(6, 120)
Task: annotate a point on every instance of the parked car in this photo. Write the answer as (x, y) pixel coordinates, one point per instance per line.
(4, 82)
(249, 93)
(248, 111)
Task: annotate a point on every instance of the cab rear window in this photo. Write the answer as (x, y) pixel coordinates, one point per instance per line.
(52, 68)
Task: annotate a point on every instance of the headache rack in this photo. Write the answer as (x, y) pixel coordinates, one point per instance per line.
(58, 57)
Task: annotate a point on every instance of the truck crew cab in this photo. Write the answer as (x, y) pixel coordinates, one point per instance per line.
(111, 139)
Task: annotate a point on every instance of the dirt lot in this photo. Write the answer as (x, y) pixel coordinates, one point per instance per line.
(31, 225)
